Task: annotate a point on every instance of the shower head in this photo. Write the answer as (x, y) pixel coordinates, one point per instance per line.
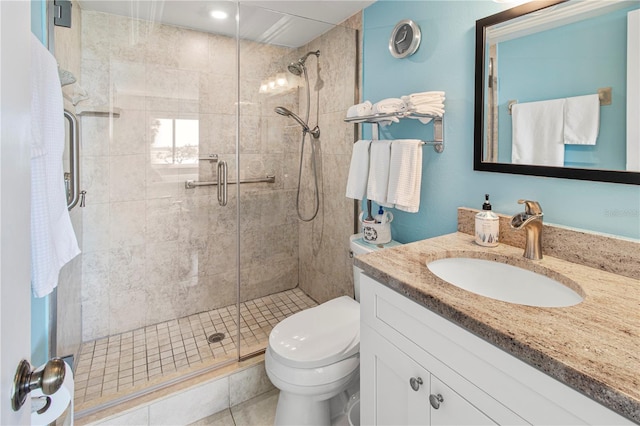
(283, 111)
(305, 128)
(297, 67)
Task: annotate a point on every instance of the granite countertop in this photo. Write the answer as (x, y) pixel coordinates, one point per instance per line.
(593, 347)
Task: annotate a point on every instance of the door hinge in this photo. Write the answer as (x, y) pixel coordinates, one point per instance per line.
(62, 13)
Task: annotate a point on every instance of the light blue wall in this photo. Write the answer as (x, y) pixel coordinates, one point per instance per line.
(597, 45)
(445, 61)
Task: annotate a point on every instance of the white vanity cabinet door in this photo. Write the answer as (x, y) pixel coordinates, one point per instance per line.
(388, 398)
(385, 374)
(454, 410)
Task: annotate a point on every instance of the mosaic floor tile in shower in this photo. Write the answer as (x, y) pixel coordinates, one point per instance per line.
(115, 366)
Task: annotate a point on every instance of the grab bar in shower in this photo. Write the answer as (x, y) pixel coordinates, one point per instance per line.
(72, 178)
(190, 184)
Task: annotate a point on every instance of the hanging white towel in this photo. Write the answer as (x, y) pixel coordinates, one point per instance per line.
(378, 181)
(581, 120)
(53, 242)
(358, 170)
(538, 133)
(405, 174)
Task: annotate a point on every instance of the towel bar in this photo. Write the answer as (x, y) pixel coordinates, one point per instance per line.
(438, 126)
(190, 184)
(604, 95)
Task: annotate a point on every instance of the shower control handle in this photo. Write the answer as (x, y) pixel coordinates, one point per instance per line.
(222, 183)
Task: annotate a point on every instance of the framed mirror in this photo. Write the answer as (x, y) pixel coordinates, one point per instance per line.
(546, 68)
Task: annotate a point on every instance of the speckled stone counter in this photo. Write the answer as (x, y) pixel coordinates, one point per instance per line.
(593, 347)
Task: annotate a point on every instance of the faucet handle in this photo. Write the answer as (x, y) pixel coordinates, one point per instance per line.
(531, 207)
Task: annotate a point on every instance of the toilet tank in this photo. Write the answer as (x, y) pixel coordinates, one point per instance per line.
(359, 246)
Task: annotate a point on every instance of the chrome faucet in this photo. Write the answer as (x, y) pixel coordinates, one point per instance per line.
(531, 221)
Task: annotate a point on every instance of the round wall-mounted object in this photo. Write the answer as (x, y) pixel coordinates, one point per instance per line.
(405, 39)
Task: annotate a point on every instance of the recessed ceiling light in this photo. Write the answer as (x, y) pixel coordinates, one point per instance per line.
(219, 14)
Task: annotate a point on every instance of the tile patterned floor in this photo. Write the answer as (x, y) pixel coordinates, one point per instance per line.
(114, 366)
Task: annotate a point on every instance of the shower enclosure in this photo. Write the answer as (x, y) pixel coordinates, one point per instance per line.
(180, 273)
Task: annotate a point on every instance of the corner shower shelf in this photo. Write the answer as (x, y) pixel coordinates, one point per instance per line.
(438, 125)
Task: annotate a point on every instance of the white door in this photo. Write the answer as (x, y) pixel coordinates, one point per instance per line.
(15, 180)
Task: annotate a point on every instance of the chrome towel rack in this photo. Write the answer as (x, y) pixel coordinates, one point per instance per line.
(190, 184)
(604, 95)
(438, 125)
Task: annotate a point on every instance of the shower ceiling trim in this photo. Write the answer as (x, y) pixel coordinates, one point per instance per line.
(283, 23)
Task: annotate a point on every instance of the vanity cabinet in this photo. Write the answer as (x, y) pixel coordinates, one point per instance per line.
(403, 390)
(411, 357)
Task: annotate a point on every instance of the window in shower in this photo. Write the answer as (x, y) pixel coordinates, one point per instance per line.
(175, 141)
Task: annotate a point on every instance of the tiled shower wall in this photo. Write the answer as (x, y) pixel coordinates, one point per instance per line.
(153, 250)
(325, 267)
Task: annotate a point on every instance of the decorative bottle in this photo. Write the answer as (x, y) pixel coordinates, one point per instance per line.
(487, 225)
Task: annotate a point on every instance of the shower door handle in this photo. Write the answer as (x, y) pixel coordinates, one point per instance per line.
(222, 183)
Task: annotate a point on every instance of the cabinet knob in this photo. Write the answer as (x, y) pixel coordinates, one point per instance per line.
(436, 400)
(415, 383)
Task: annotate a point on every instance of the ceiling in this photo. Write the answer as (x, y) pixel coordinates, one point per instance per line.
(290, 23)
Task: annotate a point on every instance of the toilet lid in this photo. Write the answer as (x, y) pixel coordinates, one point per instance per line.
(318, 336)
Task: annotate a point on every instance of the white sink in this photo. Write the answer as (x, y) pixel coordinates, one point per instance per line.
(504, 282)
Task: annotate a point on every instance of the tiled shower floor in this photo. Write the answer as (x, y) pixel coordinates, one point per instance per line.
(116, 366)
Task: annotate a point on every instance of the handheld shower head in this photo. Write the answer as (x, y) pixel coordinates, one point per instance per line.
(305, 128)
(296, 68)
(283, 111)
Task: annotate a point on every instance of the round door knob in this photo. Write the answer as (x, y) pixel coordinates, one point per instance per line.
(436, 400)
(49, 379)
(415, 383)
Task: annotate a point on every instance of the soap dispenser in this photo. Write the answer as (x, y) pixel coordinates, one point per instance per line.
(487, 225)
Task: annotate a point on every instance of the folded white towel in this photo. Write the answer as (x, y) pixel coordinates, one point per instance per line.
(538, 133)
(423, 100)
(358, 170)
(360, 110)
(427, 94)
(435, 110)
(53, 242)
(389, 105)
(405, 174)
(378, 182)
(581, 120)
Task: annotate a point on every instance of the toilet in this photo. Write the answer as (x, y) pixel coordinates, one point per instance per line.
(313, 356)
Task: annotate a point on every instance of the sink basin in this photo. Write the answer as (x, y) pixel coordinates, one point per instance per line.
(504, 282)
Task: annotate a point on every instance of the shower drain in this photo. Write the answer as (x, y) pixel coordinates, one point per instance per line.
(215, 337)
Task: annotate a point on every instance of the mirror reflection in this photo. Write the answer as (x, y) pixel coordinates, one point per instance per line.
(555, 82)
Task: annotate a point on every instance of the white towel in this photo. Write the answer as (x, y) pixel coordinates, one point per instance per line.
(378, 181)
(405, 174)
(358, 170)
(389, 105)
(581, 120)
(53, 242)
(538, 133)
(359, 110)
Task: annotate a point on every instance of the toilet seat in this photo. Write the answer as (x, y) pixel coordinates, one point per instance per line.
(319, 336)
